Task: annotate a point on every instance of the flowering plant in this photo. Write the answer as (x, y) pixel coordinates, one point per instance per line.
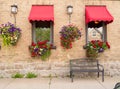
(69, 34)
(42, 49)
(96, 46)
(10, 34)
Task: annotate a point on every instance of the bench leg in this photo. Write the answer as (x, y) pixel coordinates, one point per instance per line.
(71, 76)
(98, 75)
(72, 79)
(103, 76)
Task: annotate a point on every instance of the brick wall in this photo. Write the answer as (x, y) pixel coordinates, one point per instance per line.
(17, 59)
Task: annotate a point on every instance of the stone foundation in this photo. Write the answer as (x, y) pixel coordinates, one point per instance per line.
(42, 69)
(54, 69)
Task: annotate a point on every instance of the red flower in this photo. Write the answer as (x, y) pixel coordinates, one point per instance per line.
(94, 46)
(33, 44)
(98, 41)
(61, 38)
(108, 45)
(33, 54)
(70, 45)
(42, 42)
(93, 41)
(100, 44)
(44, 46)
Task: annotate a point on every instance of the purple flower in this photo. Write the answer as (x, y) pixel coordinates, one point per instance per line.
(5, 25)
(64, 35)
(10, 24)
(18, 29)
(101, 50)
(11, 30)
(36, 50)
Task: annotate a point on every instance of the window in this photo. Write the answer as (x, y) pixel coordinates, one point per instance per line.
(96, 19)
(42, 18)
(42, 30)
(96, 31)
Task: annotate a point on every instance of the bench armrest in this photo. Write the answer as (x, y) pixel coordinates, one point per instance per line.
(101, 66)
(70, 65)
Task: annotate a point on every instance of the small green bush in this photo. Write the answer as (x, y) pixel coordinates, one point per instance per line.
(18, 75)
(31, 75)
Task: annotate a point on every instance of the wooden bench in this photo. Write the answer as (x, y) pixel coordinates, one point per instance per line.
(85, 65)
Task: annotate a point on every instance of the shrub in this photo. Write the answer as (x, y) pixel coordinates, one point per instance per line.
(18, 75)
(31, 75)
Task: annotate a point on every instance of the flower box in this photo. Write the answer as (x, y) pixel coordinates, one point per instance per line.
(41, 48)
(94, 47)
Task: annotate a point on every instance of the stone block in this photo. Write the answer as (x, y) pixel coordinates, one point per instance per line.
(19, 66)
(2, 67)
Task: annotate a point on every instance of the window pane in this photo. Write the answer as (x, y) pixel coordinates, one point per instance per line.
(42, 34)
(95, 33)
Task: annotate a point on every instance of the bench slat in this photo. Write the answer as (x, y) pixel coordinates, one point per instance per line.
(90, 70)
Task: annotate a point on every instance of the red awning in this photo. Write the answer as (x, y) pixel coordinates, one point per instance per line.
(97, 13)
(41, 13)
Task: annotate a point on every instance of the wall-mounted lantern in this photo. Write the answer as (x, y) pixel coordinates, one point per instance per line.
(14, 10)
(69, 12)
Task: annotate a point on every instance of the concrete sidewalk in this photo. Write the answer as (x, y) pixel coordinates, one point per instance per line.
(59, 83)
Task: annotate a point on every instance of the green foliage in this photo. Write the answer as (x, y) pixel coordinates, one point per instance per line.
(18, 75)
(31, 75)
(92, 53)
(46, 55)
(6, 40)
(42, 34)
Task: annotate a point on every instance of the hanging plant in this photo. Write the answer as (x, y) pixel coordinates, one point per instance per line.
(10, 34)
(41, 48)
(69, 34)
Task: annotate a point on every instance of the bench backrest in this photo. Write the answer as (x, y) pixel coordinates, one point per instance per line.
(83, 63)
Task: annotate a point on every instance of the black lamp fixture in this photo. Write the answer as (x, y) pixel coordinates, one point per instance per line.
(14, 10)
(69, 12)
